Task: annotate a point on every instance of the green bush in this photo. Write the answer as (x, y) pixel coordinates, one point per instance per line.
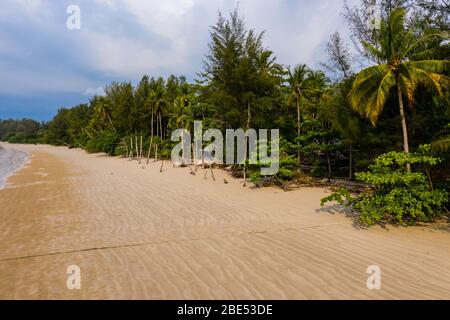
(19, 137)
(396, 196)
(105, 142)
(287, 164)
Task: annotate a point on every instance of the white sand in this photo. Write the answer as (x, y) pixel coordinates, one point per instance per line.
(140, 234)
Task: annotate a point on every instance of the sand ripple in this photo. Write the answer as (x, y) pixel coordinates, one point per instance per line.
(139, 234)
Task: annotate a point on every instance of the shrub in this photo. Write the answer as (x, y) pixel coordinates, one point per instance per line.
(105, 142)
(396, 196)
(287, 166)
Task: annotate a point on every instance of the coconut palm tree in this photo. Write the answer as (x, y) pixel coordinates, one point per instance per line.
(299, 81)
(405, 62)
(159, 104)
(182, 115)
(101, 113)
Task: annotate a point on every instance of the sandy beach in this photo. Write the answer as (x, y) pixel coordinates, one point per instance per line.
(137, 233)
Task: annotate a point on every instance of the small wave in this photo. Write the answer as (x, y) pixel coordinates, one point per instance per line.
(11, 160)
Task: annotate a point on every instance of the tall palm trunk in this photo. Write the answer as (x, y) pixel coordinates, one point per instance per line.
(151, 125)
(160, 126)
(157, 124)
(298, 129)
(404, 127)
(249, 117)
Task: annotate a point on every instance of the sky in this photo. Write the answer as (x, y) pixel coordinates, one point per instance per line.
(44, 65)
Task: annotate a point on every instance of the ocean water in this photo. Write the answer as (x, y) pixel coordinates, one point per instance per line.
(10, 161)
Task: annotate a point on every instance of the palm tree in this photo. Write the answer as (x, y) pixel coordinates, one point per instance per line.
(299, 85)
(101, 113)
(405, 62)
(158, 102)
(182, 115)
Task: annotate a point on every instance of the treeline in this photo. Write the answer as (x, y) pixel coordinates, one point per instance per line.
(333, 122)
(21, 131)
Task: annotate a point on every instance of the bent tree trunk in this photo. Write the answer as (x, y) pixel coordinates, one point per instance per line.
(404, 127)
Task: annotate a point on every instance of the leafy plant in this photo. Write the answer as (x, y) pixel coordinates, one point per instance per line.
(105, 142)
(397, 196)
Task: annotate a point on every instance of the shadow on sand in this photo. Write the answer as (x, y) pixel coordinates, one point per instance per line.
(338, 209)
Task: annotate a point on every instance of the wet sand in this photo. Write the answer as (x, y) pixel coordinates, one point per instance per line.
(10, 161)
(138, 234)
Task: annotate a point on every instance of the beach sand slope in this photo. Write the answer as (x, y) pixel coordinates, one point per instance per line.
(137, 233)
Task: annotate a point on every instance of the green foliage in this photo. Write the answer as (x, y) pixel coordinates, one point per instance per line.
(21, 131)
(242, 85)
(397, 196)
(288, 164)
(106, 142)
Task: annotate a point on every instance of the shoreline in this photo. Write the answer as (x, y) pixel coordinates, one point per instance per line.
(139, 234)
(11, 161)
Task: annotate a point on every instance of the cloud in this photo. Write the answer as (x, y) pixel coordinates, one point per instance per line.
(120, 40)
(127, 38)
(94, 92)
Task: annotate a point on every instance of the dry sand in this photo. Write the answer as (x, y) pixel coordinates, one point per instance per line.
(139, 234)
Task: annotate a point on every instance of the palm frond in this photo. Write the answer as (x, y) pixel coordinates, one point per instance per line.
(434, 66)
(370, 91)
(420, 47)
(433, 81)
(442, 145)
(378, 100)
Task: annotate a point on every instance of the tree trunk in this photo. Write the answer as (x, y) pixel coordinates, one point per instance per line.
(246, 154)
(131, 148)
(151, 125)
(137, 149)
(182, 148)
(160, 126)
(404, 127)
(249, 115)
(350, 162)
(157, 124)
(298, 130)
(150, 148)
(140, 151)
(329, 165)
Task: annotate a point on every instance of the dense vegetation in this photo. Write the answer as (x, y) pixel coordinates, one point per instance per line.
(333, 123)
(21, 131)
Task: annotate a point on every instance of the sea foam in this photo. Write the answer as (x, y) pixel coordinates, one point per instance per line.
(10, 161)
